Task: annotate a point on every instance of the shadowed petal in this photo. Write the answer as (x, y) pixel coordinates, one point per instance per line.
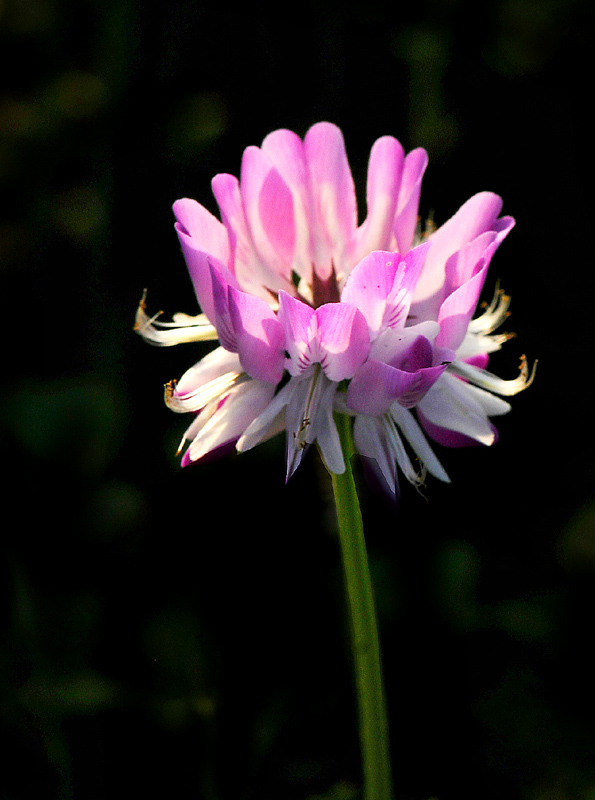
(455, 405)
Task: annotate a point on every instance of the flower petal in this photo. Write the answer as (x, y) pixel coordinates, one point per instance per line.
(269, 211)
(259, 336)
(253, 274)
(384, 178)
(454, 405)
(478, 215)
(300, 327)
(333, 195)
(413, 433)
(371, 441)
(231, 417)
(286, 151)
(343, 338)
(202, 238)
(408, 204)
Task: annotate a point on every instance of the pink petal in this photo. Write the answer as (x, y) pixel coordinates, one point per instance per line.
(259, 336)
(333, 196)
(343, 339)
(369, 285)
(458, 308)
(252, 273)
(204, 241)
(478, 215)
(381, 286)
(230, 419)
(408, 204)
(285, 149)
(300, 328)
(376, 386)
(222, 321)
(269, 211)
(207, 233)
(384, 177)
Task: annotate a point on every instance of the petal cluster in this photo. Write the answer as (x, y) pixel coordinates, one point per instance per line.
(316, 314)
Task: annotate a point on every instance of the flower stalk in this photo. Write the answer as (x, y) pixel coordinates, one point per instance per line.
(373, 720)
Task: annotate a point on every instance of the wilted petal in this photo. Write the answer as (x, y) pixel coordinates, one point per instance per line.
(184, 328)
(215, 364)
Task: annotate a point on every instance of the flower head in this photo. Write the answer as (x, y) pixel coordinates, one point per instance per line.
(317, 315)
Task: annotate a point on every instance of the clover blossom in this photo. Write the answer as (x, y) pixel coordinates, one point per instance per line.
(317, 315)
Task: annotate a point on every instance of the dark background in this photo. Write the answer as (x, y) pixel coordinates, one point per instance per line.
(181, 633)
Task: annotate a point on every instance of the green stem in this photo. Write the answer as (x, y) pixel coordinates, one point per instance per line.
(373, 722)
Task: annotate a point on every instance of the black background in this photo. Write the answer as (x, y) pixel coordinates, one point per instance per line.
(181, 633)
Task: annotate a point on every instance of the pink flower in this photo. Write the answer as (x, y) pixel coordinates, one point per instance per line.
(318, 315)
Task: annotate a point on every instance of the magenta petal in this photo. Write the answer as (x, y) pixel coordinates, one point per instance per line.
(203, 241)
(225, 331)
(343, 338)
(376, 386)
(259, 335)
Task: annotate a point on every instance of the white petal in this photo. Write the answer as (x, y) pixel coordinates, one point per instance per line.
(452, 404)
(370, 440)
(416, 438)
(269, 422)
(327, 435)
(241, 405)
